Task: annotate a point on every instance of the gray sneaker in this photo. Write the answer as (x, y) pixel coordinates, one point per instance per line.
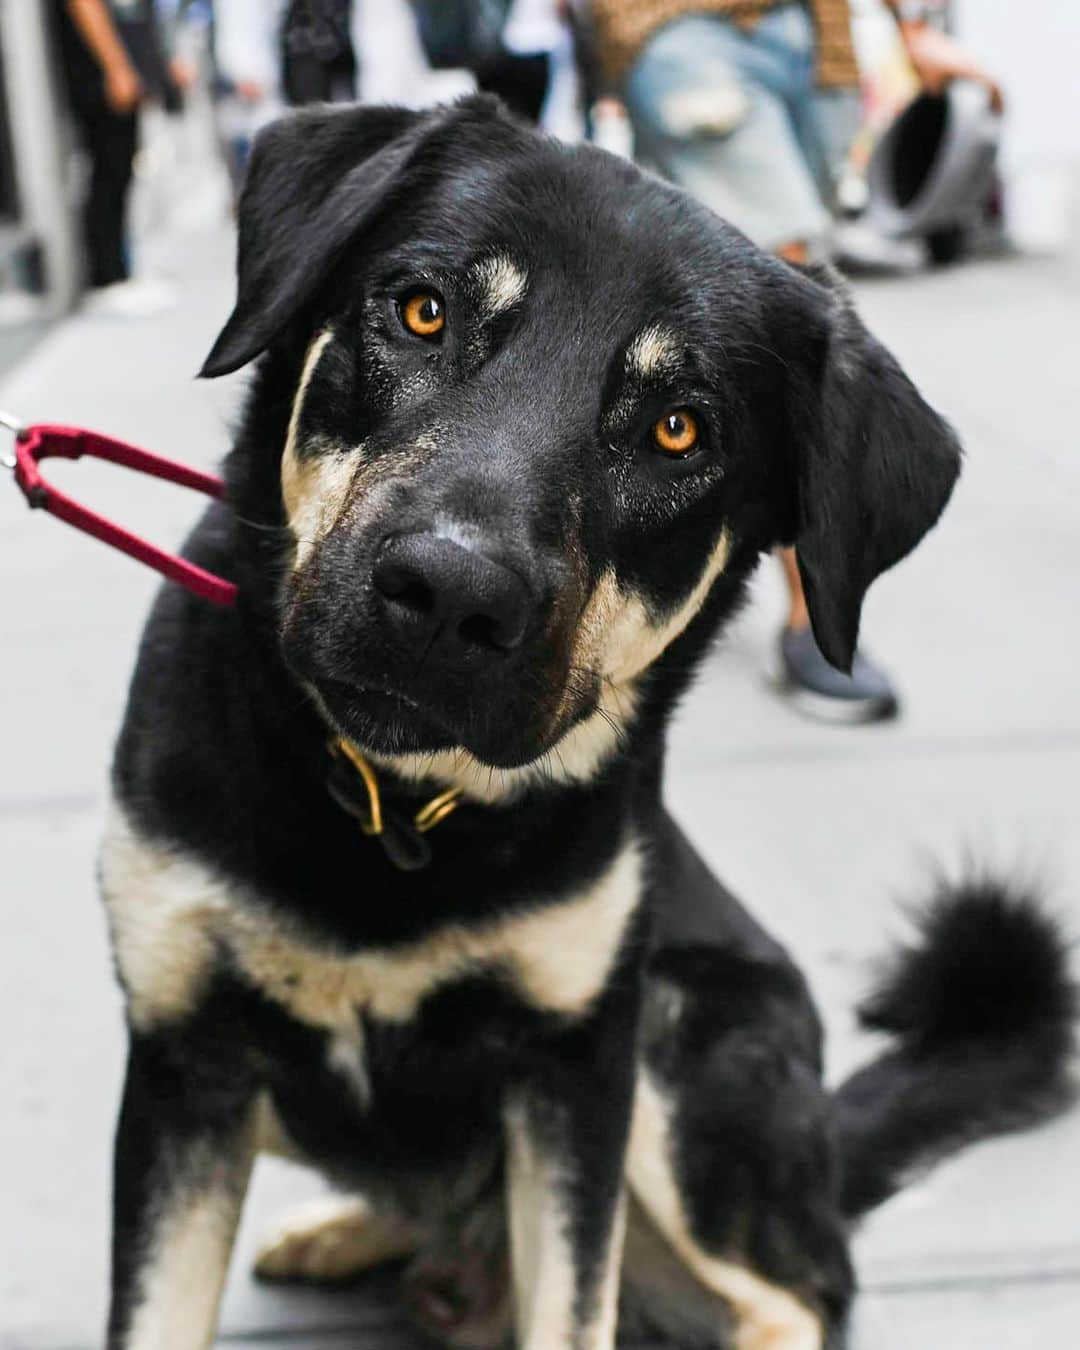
(821, 691)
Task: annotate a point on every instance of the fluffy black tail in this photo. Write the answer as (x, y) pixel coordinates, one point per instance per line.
(982, 1009)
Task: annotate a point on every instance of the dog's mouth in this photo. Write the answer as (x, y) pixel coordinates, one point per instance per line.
(503, 700)
(379, 719)
(394, 722)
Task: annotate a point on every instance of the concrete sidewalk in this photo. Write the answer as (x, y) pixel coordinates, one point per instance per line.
(822, 830)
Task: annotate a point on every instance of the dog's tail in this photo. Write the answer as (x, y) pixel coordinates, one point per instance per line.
(982, 1010)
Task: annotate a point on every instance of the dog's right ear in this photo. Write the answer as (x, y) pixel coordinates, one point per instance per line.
(876, 466)
(315, 179)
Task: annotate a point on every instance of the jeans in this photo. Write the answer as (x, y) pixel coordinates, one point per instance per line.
(734, 116)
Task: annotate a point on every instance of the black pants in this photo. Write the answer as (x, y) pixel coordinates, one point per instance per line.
(309, 80)
(520, 80)
(110, 140)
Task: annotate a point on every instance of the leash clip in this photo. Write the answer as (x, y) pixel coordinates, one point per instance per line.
(17, 427)
(45, 441)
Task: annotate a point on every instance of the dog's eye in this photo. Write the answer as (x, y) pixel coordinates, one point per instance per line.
(677, 432)
(424, 313)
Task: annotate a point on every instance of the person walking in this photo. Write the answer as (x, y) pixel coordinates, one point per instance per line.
(752, 106)
(111, 60)
(519, 50)
(319, 59)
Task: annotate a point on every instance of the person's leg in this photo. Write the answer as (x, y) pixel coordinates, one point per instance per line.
(519, 79)
(110, 140)
(708, 106)
(85, 120)
(826, 124)
(798, 615)
(341, 79)
(305, 79)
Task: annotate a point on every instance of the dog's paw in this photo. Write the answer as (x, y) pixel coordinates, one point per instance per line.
(332, 1240)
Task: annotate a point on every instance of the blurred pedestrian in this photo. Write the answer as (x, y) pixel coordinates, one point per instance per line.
(272, 52)
(319, 60)
(292, 51)
(247, 59)
(752, 105)
(521, 73)
(112, 59)
(512, 47)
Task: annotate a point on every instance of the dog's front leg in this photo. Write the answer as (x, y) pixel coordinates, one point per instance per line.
(566, 1138)
(185, 1144)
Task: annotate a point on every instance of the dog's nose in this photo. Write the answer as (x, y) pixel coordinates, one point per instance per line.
(454, 601)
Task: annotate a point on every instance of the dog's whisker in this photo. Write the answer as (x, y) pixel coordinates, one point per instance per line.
(261, 525)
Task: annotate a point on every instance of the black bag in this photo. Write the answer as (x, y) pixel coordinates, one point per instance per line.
(461, 33)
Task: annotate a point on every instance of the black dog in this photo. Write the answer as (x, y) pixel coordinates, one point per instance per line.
(390, 880)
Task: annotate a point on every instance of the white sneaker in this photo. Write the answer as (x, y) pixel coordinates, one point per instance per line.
(138, 298)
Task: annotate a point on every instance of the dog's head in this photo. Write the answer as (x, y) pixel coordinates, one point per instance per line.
(538, 404)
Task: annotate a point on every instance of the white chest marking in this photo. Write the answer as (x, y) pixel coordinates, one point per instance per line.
(170, 916)
(164, 912)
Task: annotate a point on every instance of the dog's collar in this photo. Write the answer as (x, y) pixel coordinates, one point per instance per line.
(354, 785)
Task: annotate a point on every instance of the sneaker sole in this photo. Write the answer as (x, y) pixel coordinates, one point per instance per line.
(837, 711)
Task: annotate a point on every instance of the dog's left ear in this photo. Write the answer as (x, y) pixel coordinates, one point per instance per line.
(876, 465)
(316, 179)
(312, 180)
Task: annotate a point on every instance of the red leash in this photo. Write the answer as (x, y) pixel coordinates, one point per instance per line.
(35, 443)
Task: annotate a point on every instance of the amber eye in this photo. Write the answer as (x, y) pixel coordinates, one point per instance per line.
(676, 433)
(424, 314)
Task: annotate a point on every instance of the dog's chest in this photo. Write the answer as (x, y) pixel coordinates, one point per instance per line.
(174, 924)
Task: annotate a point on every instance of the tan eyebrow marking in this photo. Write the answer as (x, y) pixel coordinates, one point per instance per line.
(502, 283)
(653, 351)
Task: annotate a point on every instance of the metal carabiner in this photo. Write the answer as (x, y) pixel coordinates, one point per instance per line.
(16, 426)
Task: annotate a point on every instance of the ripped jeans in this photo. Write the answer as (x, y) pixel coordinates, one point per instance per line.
(734, 116)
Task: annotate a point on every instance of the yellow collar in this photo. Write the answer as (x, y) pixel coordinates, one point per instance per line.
(402, 839)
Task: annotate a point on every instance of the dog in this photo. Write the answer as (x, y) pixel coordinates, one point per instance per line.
(389, 878)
